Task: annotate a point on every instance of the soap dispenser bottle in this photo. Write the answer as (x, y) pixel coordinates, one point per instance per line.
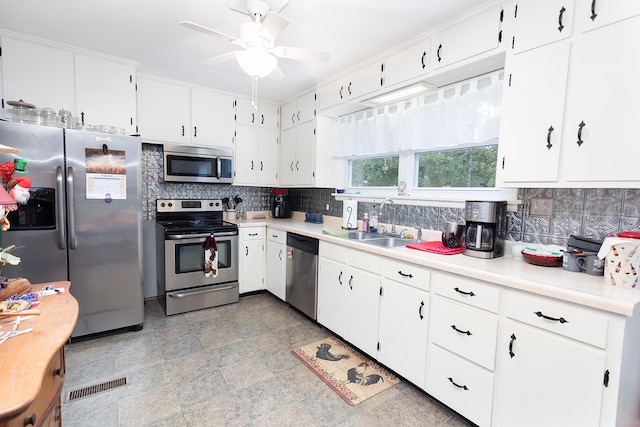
(365, 223)
(373, 221)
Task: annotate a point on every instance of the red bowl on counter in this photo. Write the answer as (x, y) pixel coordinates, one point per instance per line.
(542, 260)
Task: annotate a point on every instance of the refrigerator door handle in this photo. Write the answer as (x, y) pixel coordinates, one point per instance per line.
(62, 237)
(70, 209)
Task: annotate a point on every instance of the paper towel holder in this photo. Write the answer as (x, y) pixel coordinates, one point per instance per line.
(349, 214)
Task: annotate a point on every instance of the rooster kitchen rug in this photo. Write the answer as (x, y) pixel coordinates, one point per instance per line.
(351, 375)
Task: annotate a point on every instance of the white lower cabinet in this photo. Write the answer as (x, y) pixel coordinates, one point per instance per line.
(276, 262)
(348, 293)
(252, 259)
(461, 385)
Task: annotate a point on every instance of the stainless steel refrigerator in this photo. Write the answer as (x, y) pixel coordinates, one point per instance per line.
(82, 222)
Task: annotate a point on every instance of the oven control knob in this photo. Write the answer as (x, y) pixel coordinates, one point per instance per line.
(162, 204)
(217, 204)
(170, 204)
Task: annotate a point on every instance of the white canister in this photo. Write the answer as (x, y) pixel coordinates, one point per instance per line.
(350, 214)
(622, 262)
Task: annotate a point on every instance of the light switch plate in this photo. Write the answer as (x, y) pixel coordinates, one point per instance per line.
(541, 207)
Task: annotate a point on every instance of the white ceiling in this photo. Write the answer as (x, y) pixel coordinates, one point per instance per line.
(147, 31)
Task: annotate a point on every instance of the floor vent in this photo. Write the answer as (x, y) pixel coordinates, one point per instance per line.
(96, 388)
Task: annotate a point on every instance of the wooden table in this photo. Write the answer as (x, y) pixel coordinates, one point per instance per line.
(32, 365)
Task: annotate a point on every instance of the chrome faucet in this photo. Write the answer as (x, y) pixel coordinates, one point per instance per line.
(393, 216)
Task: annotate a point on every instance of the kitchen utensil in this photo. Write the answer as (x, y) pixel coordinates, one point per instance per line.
(32, 312)
(453, 233)
(542, 259)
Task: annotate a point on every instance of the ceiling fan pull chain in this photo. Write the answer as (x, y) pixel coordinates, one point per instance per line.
(254, 93)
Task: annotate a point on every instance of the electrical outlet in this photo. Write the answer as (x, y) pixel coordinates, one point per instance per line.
(541, 207)
(327, 207)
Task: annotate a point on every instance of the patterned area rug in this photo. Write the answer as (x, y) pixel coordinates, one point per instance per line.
(350, 374)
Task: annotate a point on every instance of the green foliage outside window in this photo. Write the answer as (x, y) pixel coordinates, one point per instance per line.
(377, 172)
(468, 167)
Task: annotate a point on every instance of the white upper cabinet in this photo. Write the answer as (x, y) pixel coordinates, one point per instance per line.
(212, 118)
(541, 22)
(105, 92)
(532, 115)
(478, 34)
(356, 84)
(38, 74)
(591, 14)
(299, 110)
(407, 64)
(601, 141)
(163, 111)
(266, 115)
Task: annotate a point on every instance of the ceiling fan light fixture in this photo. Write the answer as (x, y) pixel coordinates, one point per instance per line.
(256, 62)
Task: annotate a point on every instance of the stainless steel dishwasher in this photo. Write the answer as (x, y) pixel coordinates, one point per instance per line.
(302, 273)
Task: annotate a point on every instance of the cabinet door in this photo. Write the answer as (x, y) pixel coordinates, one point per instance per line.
(474, 36)
(212, 118)
(252, 259)
(362, 309)
(268, 164)
(275, 268)
(305, 153)
(105, 92)
(600, 139)
(269, 115)
(246, 113)
(288, 157)
(163, 111)
(541, 22)
(546, 380)
(591, 14)
(363, 81)
(532, 119)
(330, 95)
(247, 161)
(306, 107)
(39, 75)
(403, 326)
(289, 115)
(408, 63)
(332, 305)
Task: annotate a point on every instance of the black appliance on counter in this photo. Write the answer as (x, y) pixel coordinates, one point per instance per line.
(280, 204)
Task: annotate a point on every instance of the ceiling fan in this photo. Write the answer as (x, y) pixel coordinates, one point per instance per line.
(259, 53)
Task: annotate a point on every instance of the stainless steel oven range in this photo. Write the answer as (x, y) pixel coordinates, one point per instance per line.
(182, 227)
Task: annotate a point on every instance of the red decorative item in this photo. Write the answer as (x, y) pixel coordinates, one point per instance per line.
(542, 260)
(7, 170)
(435, 247)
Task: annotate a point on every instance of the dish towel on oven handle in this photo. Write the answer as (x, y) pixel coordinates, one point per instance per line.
(210, 257)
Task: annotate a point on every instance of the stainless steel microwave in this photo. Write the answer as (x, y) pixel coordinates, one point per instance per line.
(186, 163)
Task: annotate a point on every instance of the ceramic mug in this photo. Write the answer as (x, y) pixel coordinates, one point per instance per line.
(591, 264)
(570, 260)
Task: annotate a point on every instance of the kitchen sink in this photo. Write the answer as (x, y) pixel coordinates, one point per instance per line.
(361, 235)
(389, 242)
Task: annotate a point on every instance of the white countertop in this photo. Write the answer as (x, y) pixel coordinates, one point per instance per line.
(554, 282)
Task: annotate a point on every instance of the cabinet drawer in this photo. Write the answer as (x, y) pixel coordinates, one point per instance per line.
(333, 251)
(252, 233)
(468, 291)
(275, 235)
(467, 332)
(407, 273)
(365, 261)
(464, 387)
(562, 318)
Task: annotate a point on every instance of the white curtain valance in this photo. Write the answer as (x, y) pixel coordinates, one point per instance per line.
(461, 115)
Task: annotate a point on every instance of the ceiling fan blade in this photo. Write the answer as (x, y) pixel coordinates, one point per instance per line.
(272, 26)
(276, 74)
(209, 31)
(220, 58)
(300, 53)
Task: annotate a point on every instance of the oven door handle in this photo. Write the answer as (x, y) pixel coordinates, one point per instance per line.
(199, 235)
(204, 291)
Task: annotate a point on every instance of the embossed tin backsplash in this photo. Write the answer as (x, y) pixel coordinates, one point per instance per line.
(594, 213)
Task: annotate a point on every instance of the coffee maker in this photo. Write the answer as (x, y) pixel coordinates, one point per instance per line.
(486, 229)
(280, 204)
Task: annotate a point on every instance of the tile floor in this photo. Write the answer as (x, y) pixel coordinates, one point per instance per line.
(226, 366)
